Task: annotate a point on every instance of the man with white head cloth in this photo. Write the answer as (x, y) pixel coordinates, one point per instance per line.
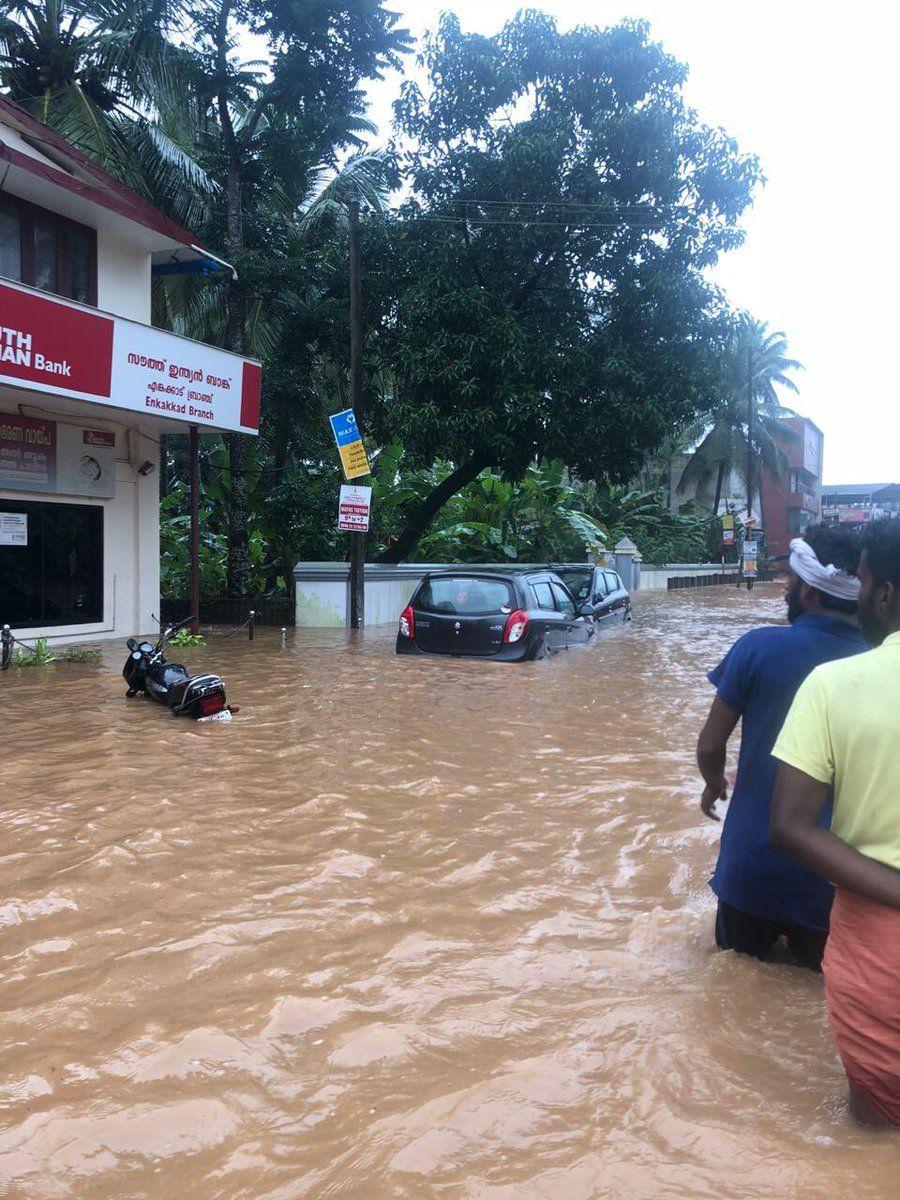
(763, 895)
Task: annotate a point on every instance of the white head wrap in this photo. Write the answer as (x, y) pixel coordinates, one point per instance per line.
(831, 579)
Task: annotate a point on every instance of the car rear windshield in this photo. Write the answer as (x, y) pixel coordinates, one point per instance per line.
(578, 583)
(465, 596)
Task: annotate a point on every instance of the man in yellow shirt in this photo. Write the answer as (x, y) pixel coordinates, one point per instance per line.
(843, 732)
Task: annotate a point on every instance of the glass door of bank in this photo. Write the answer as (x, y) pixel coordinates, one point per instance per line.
(56, 578)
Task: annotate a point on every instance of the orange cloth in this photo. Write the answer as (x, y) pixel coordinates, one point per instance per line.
(862, 990)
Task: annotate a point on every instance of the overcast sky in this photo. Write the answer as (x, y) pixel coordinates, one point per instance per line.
(813, 94)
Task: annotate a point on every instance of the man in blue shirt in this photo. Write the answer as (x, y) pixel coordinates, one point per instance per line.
(764, 895)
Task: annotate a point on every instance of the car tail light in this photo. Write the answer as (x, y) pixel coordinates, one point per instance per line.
(516, 624)
(407, 622)
(208, 705)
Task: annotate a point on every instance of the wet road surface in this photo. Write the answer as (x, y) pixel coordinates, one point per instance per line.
(406, 928)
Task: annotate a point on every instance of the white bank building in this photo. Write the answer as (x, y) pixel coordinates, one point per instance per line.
(87, 385)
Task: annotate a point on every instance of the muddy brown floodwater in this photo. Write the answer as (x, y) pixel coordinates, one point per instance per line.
(405, 928)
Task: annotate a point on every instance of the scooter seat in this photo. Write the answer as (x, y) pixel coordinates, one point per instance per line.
(176, 692)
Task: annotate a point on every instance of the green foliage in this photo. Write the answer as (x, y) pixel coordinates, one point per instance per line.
(661, 536)
(184, 637)
(545, 516)
(539, 296)
(543, 285)
(40, 655)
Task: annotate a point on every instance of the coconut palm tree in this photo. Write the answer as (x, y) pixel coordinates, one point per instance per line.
(746, 430)
(102, 73)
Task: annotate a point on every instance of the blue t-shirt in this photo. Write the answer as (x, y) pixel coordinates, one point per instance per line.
(759, 678)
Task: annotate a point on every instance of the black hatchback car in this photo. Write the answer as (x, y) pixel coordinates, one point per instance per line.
(510, 617)
(601, 587)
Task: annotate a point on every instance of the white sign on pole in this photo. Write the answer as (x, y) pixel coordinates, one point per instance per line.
(354, 507)
(13, 529)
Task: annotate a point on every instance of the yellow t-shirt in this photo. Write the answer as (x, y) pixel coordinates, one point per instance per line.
(844, 728)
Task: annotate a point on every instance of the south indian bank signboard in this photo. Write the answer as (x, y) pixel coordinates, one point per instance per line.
(57, 347)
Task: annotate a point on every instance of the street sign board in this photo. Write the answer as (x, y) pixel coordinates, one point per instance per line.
(350, 444)
(751, 559)
(727, 537)
(354, 507)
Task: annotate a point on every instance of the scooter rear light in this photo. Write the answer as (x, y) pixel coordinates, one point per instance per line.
(207, 706)
(516, 624)
(407, 622)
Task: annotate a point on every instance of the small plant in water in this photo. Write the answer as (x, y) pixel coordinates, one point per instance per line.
(39, 656)
(184, 637)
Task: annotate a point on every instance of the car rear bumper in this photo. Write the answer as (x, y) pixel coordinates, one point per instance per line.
(519, 652)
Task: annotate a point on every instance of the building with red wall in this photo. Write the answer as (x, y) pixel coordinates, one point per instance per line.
(791, 504)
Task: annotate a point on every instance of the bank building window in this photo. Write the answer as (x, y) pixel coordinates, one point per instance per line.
(47, 251)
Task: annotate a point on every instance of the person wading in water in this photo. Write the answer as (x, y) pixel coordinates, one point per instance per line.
(762, 893)
(842, 733)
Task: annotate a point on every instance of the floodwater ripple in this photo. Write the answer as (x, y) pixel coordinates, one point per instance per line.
(405, 928)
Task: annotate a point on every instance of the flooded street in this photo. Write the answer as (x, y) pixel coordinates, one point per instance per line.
(405, 928)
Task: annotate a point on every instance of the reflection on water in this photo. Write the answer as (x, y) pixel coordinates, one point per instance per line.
(405, 928)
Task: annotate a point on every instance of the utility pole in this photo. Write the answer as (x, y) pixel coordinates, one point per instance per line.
(194, 455)
(750, 407)
(357, 540)
(749, 433)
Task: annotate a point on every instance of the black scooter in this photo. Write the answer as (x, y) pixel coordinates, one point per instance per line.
(147, 673)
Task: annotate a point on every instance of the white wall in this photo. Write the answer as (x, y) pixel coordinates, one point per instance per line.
(123, 278)
(13, 138)
(657, 578)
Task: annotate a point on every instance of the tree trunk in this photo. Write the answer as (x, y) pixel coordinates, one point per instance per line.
(238, 536)
(720, 479)
(431, 505)
(278, 552)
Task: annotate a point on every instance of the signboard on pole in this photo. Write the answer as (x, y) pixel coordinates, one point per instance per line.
(13, 529)
(728, 530)
(350, 444)
(751, 559)
(354, 508)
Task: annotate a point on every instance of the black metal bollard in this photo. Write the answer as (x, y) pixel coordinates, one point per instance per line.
(6, 641)
(251, 625)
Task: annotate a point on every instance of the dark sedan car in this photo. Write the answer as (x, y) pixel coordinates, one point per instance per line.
(509, 617)
(601, 587)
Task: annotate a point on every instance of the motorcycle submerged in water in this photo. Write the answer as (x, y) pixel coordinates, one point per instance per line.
(147, 673)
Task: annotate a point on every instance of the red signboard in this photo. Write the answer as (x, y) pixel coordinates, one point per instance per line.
(49, 343)
(27, 454)
(58, 347)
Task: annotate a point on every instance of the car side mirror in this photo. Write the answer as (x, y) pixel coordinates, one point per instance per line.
(586, 610)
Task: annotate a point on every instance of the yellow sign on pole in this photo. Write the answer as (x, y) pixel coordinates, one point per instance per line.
(350, 444)
(354, 460)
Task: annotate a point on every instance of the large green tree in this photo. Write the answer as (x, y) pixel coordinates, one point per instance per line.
(542, 290)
